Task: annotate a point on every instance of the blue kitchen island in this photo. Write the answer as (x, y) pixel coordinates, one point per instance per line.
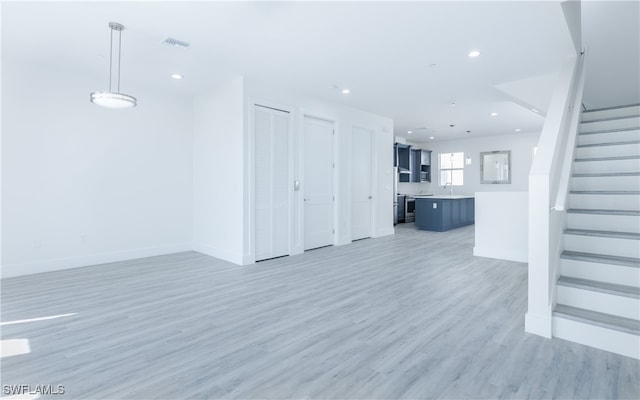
(442, 213)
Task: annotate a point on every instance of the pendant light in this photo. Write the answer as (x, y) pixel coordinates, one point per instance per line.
(113, 99)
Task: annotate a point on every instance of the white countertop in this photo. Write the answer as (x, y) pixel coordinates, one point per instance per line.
(446, 196)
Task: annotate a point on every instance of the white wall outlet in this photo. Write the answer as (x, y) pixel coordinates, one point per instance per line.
(435, 205)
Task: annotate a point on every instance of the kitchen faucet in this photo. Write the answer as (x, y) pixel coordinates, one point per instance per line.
(450, 188)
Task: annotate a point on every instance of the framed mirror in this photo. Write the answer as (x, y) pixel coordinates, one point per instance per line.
(495, 167)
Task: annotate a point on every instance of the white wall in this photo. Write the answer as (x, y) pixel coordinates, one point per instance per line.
(218, 172)
(84, 185)
(501, 211)
(345, 119)
(520, 144)
(502, 225)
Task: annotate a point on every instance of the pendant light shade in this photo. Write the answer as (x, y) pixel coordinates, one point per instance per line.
(113, 99)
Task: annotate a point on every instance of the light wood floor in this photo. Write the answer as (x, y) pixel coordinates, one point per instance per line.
(413, 315)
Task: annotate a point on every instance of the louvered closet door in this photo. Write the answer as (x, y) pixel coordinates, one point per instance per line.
(271, 182)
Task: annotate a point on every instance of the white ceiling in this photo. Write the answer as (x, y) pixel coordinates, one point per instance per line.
(403, 60)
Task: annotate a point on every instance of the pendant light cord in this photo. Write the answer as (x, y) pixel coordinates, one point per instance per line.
(110, 59)
(119, 57)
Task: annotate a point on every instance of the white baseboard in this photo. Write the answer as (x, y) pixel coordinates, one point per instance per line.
(385, 232)
(10, 270)
(538, 325)
(501, 253)
(236, 258)
(248, 259)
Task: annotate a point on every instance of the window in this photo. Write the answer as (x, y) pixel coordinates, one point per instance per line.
(451, 169)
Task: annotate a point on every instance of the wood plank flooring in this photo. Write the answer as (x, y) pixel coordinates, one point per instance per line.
(412, 316)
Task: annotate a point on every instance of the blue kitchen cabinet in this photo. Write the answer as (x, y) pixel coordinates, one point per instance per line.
(442, 213)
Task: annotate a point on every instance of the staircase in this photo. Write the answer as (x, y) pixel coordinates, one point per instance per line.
(598, 290)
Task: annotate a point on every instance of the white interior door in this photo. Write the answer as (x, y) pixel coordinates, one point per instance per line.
(271, 182)
(318, 183)
(361, 184)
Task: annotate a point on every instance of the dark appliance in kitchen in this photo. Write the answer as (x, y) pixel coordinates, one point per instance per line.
(399, 209)
(409, 209)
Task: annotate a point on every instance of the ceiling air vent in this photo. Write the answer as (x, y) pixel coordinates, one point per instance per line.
(175, 43)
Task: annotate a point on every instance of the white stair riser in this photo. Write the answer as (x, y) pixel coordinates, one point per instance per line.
(604, 222)
(605, 201)
(612, 113)
(620, 136)
(610, 273)
(608, 151)
(602, 245)
(623, 123)
(597, 301)
(617, 342)
(598, 167)
(605, 183)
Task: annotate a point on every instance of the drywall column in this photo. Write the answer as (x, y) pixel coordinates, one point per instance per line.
(538, 317)
(502, 225)
(219, 172)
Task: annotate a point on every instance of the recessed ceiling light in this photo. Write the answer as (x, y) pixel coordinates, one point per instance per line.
(517, 129)
(474, 53)
(409, 132)
(176, 76)
(534, 110)
(493, 114)
(431, 137)
(346, 91)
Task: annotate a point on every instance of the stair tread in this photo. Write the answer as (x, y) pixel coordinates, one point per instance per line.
(611, 234)
(614, 322)
(623, 192)
(611, 119)
(614, 130)
(603, 174)
(601, 258)
(627, 142)
(603, 212)
(607, 158)
(603, 287)
(618, 107)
